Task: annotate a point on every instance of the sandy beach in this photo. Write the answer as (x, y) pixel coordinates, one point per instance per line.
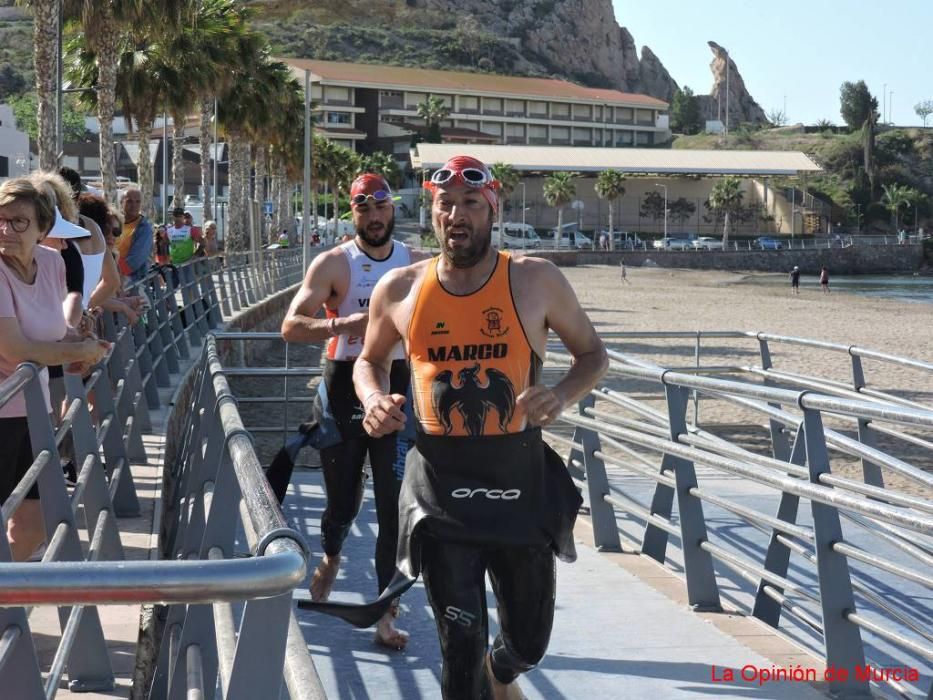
(657, 299)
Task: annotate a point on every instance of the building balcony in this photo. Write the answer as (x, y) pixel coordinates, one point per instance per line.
(560, 142)
(516, 139)
(538, 141)
(492, 112)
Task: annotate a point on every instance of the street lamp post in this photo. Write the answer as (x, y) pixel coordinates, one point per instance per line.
(522, 183)
(858, 218)
(657, 184)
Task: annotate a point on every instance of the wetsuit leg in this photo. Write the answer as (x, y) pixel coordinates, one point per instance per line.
(343, 479)
(454, 580)
(524, 581)
(387, 458)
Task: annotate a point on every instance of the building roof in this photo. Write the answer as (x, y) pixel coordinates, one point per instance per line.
(460, 82)
(627, 160)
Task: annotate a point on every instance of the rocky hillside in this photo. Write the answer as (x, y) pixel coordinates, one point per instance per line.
(575, 39)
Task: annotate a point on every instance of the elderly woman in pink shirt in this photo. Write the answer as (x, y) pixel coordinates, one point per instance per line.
(32, 329)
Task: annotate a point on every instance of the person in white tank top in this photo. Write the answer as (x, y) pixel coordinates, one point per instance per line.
(341, 281)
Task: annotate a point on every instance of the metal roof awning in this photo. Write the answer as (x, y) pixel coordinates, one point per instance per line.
(648, 161)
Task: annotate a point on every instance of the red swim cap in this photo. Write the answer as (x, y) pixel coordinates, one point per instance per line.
(465, 170)
(367, 183)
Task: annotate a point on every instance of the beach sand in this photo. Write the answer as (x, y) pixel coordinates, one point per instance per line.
(657, 299)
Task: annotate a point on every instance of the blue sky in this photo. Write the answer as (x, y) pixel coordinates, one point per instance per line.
(803, 50)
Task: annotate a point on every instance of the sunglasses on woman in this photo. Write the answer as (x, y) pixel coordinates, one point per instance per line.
(474, 177)
(377, 196)
(17, 223)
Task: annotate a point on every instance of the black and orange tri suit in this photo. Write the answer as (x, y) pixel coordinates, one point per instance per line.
(482, 492)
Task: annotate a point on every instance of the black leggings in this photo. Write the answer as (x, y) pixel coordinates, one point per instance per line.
(523, 580)
(343, 478)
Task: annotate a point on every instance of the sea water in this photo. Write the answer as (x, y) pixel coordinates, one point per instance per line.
(900, 287)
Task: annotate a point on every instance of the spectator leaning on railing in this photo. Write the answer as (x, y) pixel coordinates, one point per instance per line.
(32, 329)
(135, 245)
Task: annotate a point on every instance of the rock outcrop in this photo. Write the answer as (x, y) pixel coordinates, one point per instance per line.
(729, 89)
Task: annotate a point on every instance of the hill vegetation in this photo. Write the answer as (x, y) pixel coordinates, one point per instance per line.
(903, 157)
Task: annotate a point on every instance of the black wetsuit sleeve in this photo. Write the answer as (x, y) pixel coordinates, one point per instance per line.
(74, 268)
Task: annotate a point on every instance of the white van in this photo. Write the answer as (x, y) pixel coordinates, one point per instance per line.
(571, 238)
(520, 236)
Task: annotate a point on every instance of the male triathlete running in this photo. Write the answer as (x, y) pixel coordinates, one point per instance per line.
(481, 493)
(341, 280)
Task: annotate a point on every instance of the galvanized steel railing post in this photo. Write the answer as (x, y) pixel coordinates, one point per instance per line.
(605, 527)
(866, 435)
(222, 286)
(702, 590)
(88, 664)
(260, 649)
(122, 489)
(172, 310)
(96, 496)
(161, 365)
(780, 445)
(777, 557)
(188, 310)
(146, 369)
(127, 369)
(842, 638)
(214, 316)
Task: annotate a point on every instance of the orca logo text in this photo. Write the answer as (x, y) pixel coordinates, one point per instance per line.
(491, 494)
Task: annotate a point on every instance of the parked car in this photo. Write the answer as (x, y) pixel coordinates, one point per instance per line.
(768, 243)
(672, 244)
(707, 243)
(520, 236)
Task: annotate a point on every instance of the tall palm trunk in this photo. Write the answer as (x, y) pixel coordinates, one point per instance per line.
(259, 190)
(107, 37)
(144, 168)
(238, 231)
(560, 227)
(45, 52)
(335, 191)
(612, 245)
(207, 185)
(726, 230)
(178, 159)
(283, 199)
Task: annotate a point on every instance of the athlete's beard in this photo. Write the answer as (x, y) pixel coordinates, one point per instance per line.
(374, 239)
(470, 254)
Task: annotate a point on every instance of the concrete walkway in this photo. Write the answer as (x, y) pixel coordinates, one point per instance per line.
(622, 630)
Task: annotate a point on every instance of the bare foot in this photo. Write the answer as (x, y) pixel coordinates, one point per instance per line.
(502, 691)
(386, 633)
(324, 577)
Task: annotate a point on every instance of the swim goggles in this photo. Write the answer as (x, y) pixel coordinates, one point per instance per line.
(473, 177)
(377, 196)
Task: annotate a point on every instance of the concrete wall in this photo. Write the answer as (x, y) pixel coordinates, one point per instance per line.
(854, 260)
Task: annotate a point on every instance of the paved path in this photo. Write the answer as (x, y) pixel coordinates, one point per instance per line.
(616, 634)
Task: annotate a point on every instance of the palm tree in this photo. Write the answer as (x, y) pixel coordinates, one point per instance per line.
(225, 35)
(433, 111)
(609, 186)
(508, 178)
(45, 57)
(559, 191)
(726, 199)
(896, 196)
(383, 164)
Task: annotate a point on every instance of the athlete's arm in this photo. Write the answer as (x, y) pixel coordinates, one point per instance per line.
(383, 411)
(300, 324)
(565, 317)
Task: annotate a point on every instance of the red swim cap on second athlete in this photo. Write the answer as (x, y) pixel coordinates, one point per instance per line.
(454, 169)
(368, 183)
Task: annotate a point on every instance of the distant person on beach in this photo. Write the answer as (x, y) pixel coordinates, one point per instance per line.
(824, 279)
(795, 280)
(624, 276)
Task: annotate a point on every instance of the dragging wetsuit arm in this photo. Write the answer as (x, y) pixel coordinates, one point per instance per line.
(565, 316)
(384, 412)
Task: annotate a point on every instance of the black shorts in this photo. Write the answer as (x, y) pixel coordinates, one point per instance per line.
(16, 456)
